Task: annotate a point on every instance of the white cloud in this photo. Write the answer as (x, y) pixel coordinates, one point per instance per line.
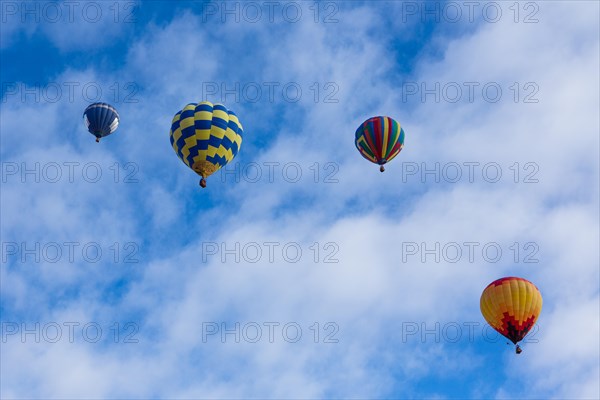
(69, 25)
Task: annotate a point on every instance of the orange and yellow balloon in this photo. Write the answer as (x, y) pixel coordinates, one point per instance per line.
(511, 306)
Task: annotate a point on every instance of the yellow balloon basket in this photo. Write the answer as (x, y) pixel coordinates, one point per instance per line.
(204, 169)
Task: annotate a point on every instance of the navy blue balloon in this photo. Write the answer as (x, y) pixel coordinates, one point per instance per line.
(101, 119)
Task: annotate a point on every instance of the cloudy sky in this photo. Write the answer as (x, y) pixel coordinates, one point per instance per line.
(301, 271)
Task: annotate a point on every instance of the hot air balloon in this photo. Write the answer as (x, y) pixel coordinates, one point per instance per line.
(379, 140)
(511, 306)
(101, 119)
(205, 137)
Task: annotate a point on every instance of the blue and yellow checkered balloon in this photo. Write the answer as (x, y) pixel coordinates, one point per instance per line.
(205, 137)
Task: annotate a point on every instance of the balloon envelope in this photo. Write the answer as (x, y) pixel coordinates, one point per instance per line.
(511, 306)
(206, 136)
(101, 119)
(379, 139)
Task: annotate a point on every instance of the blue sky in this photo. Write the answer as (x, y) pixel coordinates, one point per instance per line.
(361, 284)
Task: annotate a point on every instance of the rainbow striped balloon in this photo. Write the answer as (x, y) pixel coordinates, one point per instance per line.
(205, 137)
(379, 140)
(511, 306)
